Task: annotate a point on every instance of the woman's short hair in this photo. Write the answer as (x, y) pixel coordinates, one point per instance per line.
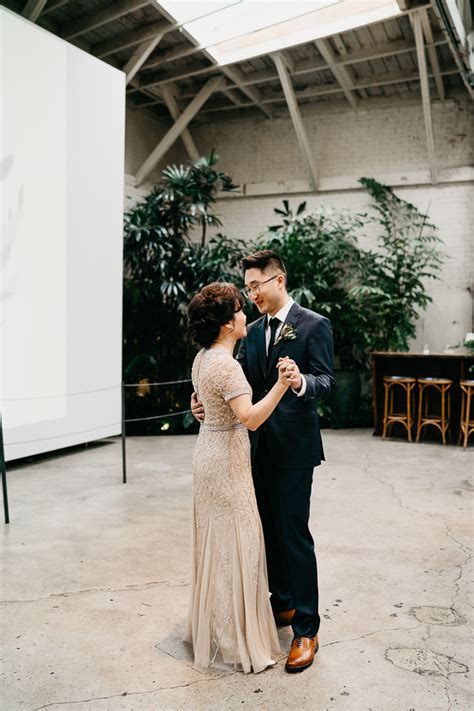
(214, 306)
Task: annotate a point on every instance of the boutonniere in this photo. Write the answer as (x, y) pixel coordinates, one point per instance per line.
(287, 333)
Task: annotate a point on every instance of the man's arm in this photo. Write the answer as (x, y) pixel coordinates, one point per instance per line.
(319, 378)
(242, 356)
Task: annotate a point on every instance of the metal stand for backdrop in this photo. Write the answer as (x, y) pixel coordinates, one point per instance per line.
(123, 423)
(4, 476)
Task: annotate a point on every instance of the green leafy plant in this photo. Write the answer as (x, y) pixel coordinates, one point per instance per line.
(163, 268)
(393, 278)
(373, 297)
(321, 255)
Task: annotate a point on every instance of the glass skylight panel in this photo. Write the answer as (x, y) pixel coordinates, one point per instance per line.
(235, 31)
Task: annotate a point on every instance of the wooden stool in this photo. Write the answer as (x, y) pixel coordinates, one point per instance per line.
(440, 420)
(389, 416)
(466, 424)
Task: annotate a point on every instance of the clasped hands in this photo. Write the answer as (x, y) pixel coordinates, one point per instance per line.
(290, 374)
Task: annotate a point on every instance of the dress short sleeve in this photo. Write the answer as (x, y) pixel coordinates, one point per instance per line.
(231, 380)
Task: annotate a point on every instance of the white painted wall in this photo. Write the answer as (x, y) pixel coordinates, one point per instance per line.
(384, 139)
(62, 148)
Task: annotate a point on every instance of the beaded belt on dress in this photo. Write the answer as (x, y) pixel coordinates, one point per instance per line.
(222, 428)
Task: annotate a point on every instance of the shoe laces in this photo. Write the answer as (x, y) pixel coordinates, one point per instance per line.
(299, 642)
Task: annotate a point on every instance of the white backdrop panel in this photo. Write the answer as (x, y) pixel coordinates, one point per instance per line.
(62, 172)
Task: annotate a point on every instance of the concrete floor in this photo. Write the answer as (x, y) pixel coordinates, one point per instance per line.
(95, 583)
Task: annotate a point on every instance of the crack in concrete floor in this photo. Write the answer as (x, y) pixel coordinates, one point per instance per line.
(456, 582)
(370, 634)
(138, 586)
(134, 693)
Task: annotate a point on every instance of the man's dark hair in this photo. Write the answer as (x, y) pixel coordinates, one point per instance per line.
(262, 260)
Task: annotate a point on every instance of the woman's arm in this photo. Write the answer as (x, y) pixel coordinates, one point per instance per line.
(252, 416)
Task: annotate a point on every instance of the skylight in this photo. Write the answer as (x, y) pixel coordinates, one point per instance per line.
(232, 31)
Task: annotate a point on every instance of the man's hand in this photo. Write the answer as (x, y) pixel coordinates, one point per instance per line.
(293, 373)
(197, 408)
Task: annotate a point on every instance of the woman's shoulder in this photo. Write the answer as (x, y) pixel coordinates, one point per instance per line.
(215, 358)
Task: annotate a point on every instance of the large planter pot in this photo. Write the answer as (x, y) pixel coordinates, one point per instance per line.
(345, 398)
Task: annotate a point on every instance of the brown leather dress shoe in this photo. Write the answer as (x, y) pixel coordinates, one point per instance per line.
(301, 654)
(283, 619)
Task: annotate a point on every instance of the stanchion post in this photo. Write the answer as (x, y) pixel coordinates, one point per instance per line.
(4, 475)
(124, 450)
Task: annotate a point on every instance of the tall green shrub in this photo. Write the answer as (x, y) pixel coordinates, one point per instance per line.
(163, 268)
(393, 278)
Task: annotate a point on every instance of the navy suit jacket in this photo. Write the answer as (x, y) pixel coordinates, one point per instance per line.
(292, 430)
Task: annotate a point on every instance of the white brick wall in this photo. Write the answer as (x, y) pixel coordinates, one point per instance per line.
(383, 137)
(380, 140)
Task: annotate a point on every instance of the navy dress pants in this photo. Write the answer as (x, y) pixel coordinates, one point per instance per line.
(283, 498)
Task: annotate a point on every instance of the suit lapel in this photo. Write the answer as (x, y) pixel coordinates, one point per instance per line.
(294, 315)
(261, 349)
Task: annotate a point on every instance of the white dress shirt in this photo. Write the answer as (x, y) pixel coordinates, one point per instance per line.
(282, 315)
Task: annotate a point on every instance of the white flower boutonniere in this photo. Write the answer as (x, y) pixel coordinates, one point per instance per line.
(287, 333)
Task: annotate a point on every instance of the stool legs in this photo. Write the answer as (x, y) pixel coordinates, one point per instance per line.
(389, 417)
(465, 417)
(385, 410)
(420, 410)
(443, 421)
(409, 420)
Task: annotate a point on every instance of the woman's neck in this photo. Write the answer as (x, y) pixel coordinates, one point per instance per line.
(227, 345)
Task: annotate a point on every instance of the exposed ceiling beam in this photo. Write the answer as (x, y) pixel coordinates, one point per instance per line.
(129, 39)
(173, 108)
(175, 131)
(140, 56)
(377, 80)
(425, 23)
(91, 20)
(161, 78)
(298, 125)
(443, 16)
(33, 9)
(343, 52)
(238, 78)
(341, 74)
(232, 96)
(171, 55)
(328, 89)
(345, 57)
(303, 67)
(54, 5)
(425, 92)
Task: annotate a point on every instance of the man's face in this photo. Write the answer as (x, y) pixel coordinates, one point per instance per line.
(267, 289)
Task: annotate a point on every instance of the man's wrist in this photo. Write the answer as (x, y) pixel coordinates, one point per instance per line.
(299, 392)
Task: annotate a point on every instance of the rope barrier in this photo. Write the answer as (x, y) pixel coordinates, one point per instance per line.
(121, 422)
(94, 429)
(169, 382)
(87, 392)
(47, 397)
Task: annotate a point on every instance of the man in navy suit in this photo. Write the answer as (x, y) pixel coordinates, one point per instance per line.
(287, 447)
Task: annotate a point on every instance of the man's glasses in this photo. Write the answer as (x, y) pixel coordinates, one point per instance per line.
(255, 289)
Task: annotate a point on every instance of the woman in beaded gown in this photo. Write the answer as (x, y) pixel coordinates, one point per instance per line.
(230, 618)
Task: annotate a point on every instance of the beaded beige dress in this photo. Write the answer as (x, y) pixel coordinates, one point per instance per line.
(230, 618)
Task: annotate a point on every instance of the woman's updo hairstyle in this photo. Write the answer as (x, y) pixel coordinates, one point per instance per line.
(214, 306)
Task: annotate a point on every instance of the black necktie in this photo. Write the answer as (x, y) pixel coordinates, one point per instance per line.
(274, 323)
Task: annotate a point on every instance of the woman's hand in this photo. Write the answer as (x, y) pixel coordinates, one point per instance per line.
(292, 373)
(285, 371)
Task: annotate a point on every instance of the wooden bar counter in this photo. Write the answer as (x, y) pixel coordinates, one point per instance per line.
(420, 365)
